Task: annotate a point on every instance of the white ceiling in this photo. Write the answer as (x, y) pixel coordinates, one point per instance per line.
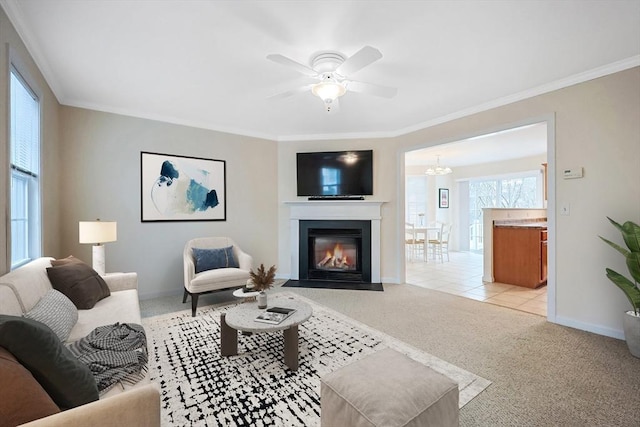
(203, 63)
(516, 143)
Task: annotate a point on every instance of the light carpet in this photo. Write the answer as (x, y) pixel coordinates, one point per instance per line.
(199, 387)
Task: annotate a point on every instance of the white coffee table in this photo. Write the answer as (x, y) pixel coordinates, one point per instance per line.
(242, 318)
(248, 296)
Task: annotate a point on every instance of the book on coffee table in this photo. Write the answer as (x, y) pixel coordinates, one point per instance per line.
(275, 315)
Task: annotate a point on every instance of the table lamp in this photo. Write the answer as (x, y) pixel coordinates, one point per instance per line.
(98, 232)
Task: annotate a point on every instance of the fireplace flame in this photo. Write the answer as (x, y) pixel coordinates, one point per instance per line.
(335, 259)
(337, 252)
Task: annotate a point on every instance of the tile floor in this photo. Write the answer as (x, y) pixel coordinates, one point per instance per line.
(462, 276)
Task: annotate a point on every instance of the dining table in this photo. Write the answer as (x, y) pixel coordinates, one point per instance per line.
(427, 233)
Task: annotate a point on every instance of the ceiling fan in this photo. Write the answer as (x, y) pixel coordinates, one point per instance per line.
(332, 69)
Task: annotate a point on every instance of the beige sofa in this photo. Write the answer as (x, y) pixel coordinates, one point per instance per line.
(20, 291)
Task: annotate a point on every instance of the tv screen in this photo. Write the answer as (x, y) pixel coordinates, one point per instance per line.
(335, 173)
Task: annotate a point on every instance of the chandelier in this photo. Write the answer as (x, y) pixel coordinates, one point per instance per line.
(437, 169)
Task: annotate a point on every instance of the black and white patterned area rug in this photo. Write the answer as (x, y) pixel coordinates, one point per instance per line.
(199, 387)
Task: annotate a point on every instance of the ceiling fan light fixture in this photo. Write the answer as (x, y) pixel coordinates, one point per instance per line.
(328, 91)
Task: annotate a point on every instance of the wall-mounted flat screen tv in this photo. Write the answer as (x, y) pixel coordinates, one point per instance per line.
(335, 173)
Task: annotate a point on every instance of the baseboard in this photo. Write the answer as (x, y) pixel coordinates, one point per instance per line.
(589, 327)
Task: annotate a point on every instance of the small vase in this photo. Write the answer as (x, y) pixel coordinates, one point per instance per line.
(262, 300)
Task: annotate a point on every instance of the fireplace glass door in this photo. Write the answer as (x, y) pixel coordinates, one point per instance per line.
(335, 250)
(335, 255)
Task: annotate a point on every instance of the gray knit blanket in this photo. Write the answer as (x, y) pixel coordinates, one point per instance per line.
(114, 354)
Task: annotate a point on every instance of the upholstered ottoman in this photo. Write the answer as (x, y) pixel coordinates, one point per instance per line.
(388, 389)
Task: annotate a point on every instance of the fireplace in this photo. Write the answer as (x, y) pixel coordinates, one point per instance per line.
(301, 211)
(335, 250)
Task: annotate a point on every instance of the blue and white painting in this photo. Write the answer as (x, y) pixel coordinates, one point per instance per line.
(180, 188)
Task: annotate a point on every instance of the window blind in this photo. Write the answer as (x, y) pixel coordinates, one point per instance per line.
(25, 127)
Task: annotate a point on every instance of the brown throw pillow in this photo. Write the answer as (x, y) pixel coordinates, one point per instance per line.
(22, 398)
(68, 260)
(79, 282)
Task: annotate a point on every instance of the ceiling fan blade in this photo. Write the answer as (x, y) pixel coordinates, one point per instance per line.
(365, 56)
(291, 92)
(283, 60)
(371, 89)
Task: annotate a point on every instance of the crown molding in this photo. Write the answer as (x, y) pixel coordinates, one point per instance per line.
(575, 79)
(14, 13)
(169, 119)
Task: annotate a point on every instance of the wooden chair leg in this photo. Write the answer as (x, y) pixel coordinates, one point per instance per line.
(194, 304)
(184, 297)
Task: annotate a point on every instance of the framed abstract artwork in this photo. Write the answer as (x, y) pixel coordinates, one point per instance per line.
(182, 188)
(443, 197)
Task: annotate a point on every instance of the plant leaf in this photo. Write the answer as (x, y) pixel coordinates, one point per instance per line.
(631, 235)
(633, 264)
(627, 286)
(615, 224)
(616, 246)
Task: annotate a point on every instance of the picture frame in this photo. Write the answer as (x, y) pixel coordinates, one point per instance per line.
(182, 188)
(443, 198)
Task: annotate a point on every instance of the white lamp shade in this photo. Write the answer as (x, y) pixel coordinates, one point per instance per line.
(97, 231)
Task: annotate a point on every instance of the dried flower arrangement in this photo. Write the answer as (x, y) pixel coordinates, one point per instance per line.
(262, 279)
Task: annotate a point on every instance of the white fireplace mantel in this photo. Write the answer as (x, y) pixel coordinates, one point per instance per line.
(335, 210)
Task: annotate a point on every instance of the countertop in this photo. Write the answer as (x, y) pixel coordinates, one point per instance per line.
(523, 225)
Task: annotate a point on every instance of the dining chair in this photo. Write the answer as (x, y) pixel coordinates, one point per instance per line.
(439, 246)
(413, 244)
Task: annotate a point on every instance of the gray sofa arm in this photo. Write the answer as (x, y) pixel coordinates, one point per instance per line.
(121, 281)
(138, 407)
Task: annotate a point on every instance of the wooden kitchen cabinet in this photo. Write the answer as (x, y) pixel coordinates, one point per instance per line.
(520, 255)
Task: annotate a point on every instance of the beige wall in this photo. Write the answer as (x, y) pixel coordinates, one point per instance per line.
(11, 46)
(596, 127)
(101, 179)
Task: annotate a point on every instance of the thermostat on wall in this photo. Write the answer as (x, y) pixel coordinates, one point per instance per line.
(572, 173)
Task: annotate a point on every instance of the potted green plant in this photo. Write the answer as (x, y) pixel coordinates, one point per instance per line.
(631, 323)
(262, 280)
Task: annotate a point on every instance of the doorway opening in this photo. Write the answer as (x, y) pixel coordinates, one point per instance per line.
(505, 169)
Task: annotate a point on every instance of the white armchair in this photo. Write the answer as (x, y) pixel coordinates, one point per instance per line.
(216, 279)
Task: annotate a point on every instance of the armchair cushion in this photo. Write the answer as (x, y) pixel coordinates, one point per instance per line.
(211, 259)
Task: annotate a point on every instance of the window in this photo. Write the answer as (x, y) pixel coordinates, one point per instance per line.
(518, 191)
(25, 171)
(416, 199)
